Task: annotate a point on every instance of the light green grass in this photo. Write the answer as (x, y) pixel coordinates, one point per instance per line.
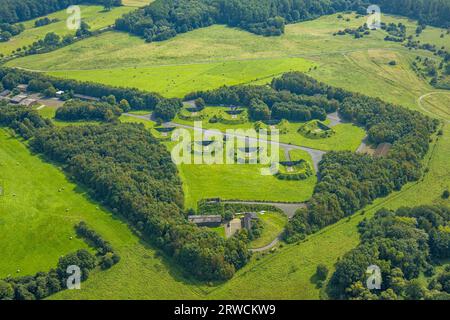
(35, 229)
(234, 181)
(273, 224)
(177, 81)
(95, 16)
(136, 3)
(195, 59)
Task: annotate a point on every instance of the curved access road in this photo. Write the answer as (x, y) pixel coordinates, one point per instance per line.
(419, 102)
(316, 155)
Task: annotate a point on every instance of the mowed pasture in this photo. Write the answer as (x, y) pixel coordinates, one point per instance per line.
(38, 210)
(95, 16)
(215, 55)
(289, 272)
(179, 80)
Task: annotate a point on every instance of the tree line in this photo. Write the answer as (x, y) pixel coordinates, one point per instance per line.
(75, 110)
(12, 11)
(279, 101)
(128, 170)
(164, 19)
(349, 181)
(404, 244)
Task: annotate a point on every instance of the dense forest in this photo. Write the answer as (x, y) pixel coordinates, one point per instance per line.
(164, 19)
(276, 101)
(12, 11)
(404, 244)
(348, 181)
(74, 110)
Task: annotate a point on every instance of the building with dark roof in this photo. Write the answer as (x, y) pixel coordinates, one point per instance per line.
(207, 220)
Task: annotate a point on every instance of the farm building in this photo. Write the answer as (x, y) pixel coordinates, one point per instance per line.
(17, 99)
(28, 102)
(22, 87)
(5, 93)
(207, 220)
(249, 217)
(382, 150)
(85, 98)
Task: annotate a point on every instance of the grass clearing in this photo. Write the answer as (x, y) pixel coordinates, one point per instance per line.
(177, 81)
(95, 16)
(274, 224)
(35, 230)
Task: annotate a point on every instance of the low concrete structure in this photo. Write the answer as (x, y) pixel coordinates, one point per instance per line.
(5, 93)
(28, 102)
(86, 98)
(22, 87)
(206, 220)
(17, 99)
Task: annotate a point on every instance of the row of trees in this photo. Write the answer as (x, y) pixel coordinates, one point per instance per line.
(403, 244)
(7, 31)
(107, 254)
(136, 99)
(128, 170)
(294, 96)
(44, 284)
(12, 11)
(75, 110)
(164, 19)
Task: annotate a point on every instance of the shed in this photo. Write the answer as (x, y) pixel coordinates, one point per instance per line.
(17, 99)
(86, 98)
(28, 102)
(206, 220)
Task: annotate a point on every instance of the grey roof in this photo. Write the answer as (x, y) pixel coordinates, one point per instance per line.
(205, 219)
(18, 98)
(84, 97)
(4, 93)
(27, 102)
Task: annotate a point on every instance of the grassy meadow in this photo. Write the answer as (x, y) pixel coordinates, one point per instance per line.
(95, 16)
(217, 55)
(35, 228)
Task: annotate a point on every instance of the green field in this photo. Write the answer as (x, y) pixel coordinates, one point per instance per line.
(213, 56)
(177, 81)
(95, 16)
(358, 65)
(347, 136)
(273, 226)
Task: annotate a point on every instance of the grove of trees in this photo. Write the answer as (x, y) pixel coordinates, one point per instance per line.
(12, 11)
(403, 244)
(164, 19)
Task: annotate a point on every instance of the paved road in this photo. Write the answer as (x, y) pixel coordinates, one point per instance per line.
(316, 155)
(419, 102)
(288, 208)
